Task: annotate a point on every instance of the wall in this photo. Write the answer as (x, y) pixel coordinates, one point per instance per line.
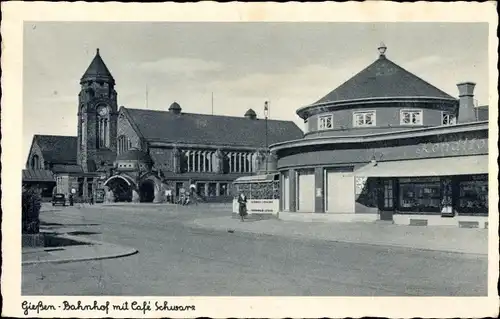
(470, 143)
(387, 119)
(125, 128)
(35, 150)
(163, 158)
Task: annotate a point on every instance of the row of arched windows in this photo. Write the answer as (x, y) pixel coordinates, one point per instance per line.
(207, 161)
(123, 144)
(103, 133)
(35, 162)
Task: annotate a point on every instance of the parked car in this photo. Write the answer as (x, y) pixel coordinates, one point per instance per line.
(59, 199)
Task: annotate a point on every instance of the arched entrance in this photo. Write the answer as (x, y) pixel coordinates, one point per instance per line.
(121, 188)
(147, 191)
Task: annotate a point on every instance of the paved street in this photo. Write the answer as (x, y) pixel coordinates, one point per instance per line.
(175, 259)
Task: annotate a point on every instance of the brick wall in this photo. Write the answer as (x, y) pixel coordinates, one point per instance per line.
(125, 128)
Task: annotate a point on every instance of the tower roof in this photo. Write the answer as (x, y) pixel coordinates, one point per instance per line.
(175, 106)
(98, 70)
(250, 114)
(383, 79)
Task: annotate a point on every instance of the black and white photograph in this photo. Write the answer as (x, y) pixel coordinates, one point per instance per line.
(158, 160)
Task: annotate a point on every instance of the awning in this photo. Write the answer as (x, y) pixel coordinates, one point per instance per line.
(255, 179)
(446, 166)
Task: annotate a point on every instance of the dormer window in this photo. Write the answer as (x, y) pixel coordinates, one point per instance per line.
(448, 118)
(364, 118)
(325, 122)
(411, 117)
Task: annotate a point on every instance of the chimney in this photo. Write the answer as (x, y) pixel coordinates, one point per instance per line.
(466, 111)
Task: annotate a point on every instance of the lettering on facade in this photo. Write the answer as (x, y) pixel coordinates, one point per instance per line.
(466, 145)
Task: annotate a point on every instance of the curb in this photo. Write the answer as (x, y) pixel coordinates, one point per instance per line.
(299, 236)
(126, 251)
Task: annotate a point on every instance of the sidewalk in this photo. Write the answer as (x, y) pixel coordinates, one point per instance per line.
(448, 239)
(87, 249)
(90, 250)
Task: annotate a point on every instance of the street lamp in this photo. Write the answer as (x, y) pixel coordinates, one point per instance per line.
(266, 113)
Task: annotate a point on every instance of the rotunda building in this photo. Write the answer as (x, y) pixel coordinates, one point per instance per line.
(387, 145)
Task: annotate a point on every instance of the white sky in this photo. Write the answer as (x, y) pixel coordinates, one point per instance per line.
(243, 64)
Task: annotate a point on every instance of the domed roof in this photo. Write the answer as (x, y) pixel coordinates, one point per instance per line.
(250, 113)
(134, 155)
(383, 79)
(175, 106)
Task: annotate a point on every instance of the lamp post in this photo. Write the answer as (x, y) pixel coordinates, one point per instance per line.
(266, 113)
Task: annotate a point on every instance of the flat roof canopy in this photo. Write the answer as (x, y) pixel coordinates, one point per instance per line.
(256, 179)
(37, 175)
(446, 166)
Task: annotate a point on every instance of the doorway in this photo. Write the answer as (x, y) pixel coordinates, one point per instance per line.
(147, 191)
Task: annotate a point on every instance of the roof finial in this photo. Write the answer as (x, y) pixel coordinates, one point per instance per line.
(97, 51)
(382, 48)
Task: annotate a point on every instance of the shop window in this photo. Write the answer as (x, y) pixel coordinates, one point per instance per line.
(448, 118)
(473, 196)
(411, 117)
(419, 194)
(365, 118)
(447, 198)
(325, 122)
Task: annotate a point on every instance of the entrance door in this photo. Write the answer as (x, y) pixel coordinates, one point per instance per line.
(305, 191)
(339, 189)
(387, 199)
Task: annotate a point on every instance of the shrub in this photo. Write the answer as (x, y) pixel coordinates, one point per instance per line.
(31, 204)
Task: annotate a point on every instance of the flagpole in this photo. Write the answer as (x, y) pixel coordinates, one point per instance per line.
(146, 96)
(212, 103)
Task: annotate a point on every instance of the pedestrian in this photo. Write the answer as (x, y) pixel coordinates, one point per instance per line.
(91, 200)
(70, 199)
(242, 201)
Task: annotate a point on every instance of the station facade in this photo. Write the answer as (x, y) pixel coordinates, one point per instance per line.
(141, 155)
(388, 145)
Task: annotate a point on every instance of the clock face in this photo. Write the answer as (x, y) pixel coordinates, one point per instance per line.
(102, 110)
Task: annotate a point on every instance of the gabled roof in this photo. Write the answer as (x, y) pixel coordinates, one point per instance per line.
(383, 79)
(97, 70)
(57, 149)
(162, 126)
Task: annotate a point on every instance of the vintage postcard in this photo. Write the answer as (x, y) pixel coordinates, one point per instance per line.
(249, 160)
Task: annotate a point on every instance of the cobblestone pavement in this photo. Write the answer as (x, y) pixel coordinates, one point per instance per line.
(175, 259)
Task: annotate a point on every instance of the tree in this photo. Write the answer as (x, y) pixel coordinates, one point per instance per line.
(31, 204)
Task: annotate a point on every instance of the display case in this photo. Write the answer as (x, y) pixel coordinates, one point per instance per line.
(419, 195)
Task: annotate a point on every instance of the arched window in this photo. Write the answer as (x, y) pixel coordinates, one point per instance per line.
(35, 162)
(123, 144)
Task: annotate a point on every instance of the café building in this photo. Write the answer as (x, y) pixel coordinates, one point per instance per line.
(387, 145)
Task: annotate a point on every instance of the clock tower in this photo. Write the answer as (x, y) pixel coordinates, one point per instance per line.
(97, 117)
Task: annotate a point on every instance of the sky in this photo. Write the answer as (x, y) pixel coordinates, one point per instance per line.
(242, 64)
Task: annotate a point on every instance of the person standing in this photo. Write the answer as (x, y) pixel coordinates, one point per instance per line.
(242, 201)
